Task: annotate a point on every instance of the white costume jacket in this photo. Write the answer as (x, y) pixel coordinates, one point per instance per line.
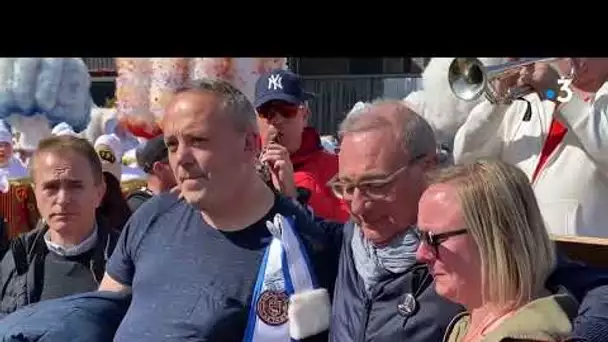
(572, 187)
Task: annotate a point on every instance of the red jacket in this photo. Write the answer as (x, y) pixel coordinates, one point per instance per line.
(313, 168)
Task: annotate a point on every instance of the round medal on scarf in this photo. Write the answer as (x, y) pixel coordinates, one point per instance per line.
(272, 307)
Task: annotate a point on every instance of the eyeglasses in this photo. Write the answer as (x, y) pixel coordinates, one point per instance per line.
(285, 110)
(434, 240)
(372, 189)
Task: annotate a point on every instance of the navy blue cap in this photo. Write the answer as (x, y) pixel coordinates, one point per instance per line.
(281, 85)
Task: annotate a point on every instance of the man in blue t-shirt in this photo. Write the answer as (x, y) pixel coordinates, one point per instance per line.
(192, 261)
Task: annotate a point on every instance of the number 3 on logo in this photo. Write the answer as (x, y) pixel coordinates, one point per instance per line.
(565, 88)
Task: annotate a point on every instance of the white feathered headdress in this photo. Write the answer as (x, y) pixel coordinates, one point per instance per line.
(103, 121)
(38, 93)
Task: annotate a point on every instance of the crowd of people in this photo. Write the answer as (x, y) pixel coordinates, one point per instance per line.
(425, 219)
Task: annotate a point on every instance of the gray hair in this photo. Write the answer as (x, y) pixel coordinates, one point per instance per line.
(232, 101)
(417, 136)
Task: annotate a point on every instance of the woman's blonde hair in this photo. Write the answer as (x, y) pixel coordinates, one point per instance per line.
(501, 213)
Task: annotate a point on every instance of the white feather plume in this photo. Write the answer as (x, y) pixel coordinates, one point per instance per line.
(57, 89)
(99, 123)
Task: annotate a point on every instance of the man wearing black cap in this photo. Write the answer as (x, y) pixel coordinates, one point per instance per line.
(289, 144)
(153, 159)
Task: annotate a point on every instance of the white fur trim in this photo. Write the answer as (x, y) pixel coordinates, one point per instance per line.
(97, 125)
(309, 313)
(415, 100)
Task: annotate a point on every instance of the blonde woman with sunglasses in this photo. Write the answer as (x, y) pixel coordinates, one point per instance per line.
(486, 245)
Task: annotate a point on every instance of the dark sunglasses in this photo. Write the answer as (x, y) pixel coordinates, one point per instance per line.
(285, 110)
(434, 240)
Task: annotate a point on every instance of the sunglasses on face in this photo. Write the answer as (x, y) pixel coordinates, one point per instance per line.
(285, 110)
(435, 240)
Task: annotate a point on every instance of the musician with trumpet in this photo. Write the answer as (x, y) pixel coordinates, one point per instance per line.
(554, 128)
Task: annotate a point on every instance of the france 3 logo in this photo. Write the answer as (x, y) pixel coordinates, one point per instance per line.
(565, 92)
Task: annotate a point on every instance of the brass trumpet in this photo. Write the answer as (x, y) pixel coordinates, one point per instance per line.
(469, 79)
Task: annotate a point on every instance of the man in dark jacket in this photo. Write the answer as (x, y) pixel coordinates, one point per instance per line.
(382, 292)
(67, 252)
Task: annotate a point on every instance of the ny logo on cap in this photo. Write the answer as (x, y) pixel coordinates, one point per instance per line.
(275, 82)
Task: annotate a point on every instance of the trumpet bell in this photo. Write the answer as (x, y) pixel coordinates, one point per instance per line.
(467, 78)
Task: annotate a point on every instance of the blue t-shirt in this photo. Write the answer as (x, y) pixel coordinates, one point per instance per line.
(192, 282)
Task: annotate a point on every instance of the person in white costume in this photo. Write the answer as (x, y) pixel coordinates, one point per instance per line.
(11, 167)
(562, 147)
(114, 207)
(110, 150)
(438, 105)
(18, 209)
(104, 124)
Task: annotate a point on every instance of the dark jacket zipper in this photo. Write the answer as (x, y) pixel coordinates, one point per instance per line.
(368, 307)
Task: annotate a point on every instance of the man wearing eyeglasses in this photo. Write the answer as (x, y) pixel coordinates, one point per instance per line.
(382, 293)
(292, 148)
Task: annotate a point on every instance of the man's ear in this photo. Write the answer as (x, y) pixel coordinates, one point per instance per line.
(305, 110)
(156, 168)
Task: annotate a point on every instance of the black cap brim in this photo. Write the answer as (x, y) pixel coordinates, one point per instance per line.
(277, 97)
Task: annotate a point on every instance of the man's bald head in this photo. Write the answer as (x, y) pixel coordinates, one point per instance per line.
(394, 117)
